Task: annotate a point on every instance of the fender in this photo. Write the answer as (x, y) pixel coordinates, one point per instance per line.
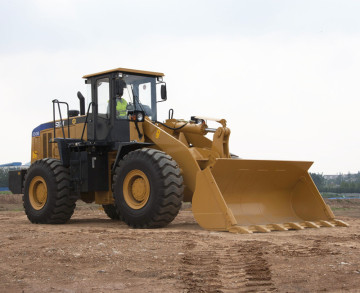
(124, 148)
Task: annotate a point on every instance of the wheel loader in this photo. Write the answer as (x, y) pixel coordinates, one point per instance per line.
(116, 153)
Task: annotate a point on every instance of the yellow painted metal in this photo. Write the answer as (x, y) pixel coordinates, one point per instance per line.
(125, 70)
(38, 192)
(134, 133)
(246, 196)
(136, 189)
(187, 127)
(177, 150)
(221, 121)
(220, 144)
(41, 147)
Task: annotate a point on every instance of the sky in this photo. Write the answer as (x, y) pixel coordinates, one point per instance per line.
(284, 74)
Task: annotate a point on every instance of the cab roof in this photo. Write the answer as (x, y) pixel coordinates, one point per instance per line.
(125, 70)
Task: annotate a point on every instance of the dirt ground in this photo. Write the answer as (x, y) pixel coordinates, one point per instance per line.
(95, 254)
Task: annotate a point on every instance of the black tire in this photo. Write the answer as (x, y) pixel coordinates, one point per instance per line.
(165, 189)
(110, 211)
(54, 205)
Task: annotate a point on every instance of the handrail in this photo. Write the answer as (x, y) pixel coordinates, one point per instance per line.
(86, 119)
(61, 120)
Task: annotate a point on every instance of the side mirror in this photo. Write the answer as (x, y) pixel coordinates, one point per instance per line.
(119, 87)
(130, 107)
(163, 92)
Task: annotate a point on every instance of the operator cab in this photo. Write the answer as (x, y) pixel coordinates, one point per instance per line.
(119, 97)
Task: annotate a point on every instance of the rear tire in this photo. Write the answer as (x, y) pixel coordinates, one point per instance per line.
(110, 211)
(46, 196)
(148, 189)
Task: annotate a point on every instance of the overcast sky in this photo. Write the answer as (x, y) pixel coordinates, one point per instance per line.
(284, 74)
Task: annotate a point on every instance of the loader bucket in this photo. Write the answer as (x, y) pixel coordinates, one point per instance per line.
(245, 196)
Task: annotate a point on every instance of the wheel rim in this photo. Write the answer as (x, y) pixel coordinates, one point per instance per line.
(38, 192)
(136, 189)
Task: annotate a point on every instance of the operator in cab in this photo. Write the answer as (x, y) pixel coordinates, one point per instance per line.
(121, 105)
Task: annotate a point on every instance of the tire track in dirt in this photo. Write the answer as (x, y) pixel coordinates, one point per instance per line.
(258, 270)
(315, 249)
(235, 268)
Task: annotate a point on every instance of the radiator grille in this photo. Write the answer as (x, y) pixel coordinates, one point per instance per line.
(49, 145)
(45, 144)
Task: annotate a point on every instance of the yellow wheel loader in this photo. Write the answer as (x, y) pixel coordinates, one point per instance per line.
(117, 154)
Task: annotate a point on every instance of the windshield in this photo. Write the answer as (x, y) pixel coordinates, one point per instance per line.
(140, 94)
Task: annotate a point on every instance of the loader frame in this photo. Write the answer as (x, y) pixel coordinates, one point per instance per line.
(141, 169)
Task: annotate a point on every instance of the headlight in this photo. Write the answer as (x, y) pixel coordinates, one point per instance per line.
(140, 116)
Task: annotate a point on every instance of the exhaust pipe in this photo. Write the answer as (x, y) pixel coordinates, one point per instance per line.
(82, 103)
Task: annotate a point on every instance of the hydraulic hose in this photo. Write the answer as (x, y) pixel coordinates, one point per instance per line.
(172, 128)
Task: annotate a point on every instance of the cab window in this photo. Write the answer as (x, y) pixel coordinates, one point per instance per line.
(103, 97)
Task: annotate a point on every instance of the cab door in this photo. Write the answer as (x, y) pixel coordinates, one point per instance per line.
(102, 123)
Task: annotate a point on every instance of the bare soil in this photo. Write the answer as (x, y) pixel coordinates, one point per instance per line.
(95, 254)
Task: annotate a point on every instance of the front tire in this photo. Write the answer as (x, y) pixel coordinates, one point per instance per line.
(46, 196)
(148, 189)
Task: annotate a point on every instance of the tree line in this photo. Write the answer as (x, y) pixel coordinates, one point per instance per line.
(342, 183)
(4, 177)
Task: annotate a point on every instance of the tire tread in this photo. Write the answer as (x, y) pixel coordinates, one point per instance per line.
(171, 186)
(61, 210)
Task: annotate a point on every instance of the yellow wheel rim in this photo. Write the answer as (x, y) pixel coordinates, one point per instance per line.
(38, 192)
(136, 189)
